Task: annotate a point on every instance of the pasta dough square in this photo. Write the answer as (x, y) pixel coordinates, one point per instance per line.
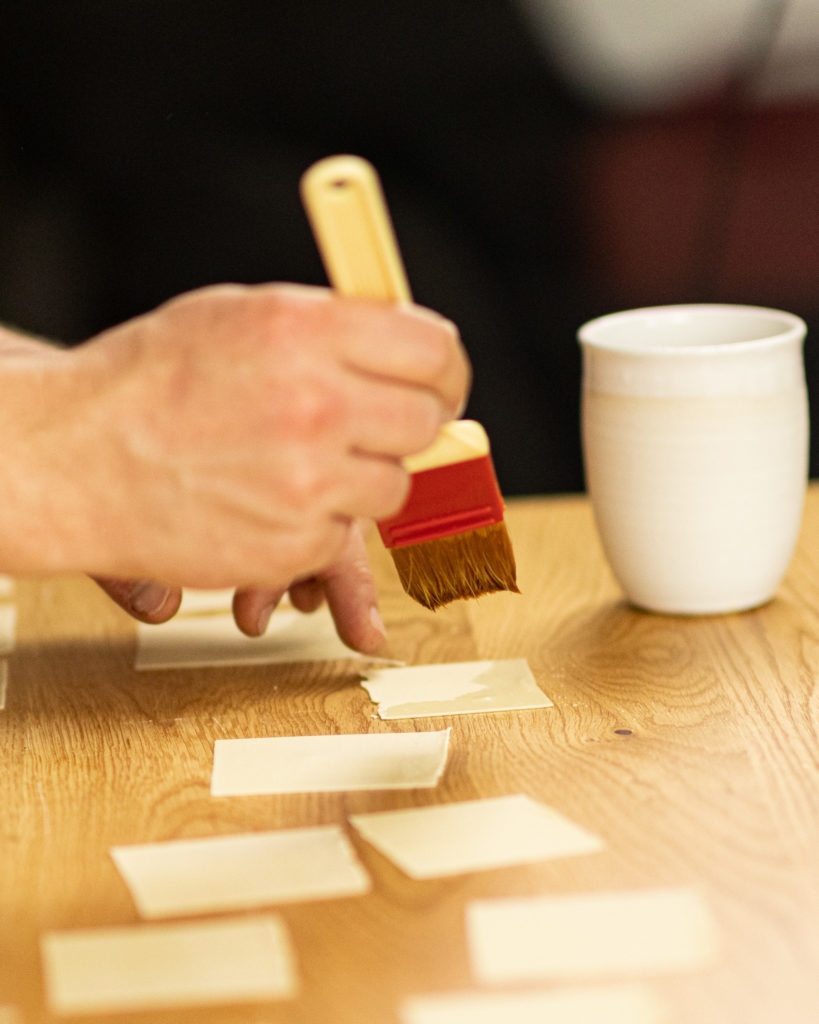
(199, 876)
(450, 839)
(459, 688)
(643, 932)
(109, 970)
(334, 763)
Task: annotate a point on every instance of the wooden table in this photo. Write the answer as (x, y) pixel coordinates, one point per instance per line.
(690, 744)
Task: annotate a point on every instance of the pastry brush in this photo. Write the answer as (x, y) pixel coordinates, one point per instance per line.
(449, 540)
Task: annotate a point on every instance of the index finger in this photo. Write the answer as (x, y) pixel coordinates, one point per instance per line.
(416, 345)
(402, 341)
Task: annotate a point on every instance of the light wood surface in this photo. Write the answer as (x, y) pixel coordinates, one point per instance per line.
(690, 745)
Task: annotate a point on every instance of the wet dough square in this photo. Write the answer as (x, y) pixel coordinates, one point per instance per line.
(459, 688)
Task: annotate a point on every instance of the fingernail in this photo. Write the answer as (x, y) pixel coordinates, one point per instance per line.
(148, 597)
(264, 618)
(377, 622)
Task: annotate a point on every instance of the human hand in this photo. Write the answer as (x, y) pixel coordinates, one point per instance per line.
(229, 437)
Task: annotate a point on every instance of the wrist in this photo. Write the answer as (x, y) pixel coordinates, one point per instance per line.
(44, 461)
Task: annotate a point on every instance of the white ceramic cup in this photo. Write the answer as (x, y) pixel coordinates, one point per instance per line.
(695, 441)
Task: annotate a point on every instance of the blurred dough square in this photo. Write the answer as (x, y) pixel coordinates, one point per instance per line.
(644, 932)
(603, 1004)
(450, 839)
(109, 970)
(459, 688)
(197, 602)
(333, 763)
(199, 876)
(8, 627)
(191, 641)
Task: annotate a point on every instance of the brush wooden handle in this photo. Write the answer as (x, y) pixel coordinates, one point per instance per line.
(352, 227)
(351, 224)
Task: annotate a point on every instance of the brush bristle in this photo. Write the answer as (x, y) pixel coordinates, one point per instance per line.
(435, 572)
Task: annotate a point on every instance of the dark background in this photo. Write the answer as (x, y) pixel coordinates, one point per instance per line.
(148, 147)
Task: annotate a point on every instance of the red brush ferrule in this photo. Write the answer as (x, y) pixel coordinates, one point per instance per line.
(444, 501)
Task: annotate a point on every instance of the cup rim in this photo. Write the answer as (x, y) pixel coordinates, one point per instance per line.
(592, 333)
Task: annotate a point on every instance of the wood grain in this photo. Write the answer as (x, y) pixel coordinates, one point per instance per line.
(691, 745)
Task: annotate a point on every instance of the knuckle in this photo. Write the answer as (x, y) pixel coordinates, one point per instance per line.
(438, 355)
(306, 485)
(417, 417)
(430, 417)
(210, 303)
(298, 317)
(314, 410)
(444, 365)
(283, 317)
